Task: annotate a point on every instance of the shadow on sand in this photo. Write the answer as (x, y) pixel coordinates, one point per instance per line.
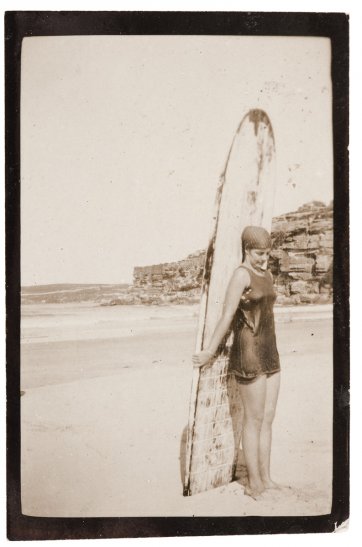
(182, 458)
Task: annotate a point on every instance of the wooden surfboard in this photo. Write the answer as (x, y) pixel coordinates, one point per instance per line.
(245, 196)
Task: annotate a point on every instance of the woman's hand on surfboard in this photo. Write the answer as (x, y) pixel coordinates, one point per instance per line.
(202, 358)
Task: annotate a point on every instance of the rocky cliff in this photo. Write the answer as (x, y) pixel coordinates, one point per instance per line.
(171, 282)
(301, 262)
(302, 256)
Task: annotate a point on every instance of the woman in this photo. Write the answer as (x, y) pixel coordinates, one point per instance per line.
(248, 309)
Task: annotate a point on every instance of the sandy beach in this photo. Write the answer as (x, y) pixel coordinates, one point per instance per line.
(105, 407)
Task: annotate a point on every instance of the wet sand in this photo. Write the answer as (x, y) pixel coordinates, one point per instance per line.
(104, 417)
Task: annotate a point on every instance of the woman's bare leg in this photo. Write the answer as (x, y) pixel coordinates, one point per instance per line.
(253, 397)
(272, 391)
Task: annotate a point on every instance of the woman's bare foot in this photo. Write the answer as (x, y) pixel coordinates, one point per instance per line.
(254, 490)
(271, 485)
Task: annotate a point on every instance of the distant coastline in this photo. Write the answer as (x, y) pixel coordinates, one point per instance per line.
(64, 293)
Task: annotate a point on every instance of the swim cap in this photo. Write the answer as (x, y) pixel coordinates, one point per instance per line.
(255, 237)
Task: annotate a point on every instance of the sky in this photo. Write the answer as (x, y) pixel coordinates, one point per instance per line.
(123, 140)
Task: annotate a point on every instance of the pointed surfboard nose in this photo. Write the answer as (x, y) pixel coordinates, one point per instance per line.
(257, 117)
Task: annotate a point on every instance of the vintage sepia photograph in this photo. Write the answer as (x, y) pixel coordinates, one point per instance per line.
(177, 274)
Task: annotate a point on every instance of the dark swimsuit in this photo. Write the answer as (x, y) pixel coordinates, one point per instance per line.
(254, 350)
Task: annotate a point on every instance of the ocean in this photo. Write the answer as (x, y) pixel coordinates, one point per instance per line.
(61, 322)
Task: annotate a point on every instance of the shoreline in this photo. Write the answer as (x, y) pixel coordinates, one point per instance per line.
(47, 323)
(328, 306)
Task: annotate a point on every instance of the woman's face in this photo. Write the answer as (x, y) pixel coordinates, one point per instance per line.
(258, 258)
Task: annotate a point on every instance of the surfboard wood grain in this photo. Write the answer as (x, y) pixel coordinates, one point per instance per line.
(245, 196)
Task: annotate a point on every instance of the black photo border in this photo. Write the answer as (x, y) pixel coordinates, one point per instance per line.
(335, 26)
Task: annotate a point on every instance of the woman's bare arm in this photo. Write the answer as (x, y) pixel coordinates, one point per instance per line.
(238, 283)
